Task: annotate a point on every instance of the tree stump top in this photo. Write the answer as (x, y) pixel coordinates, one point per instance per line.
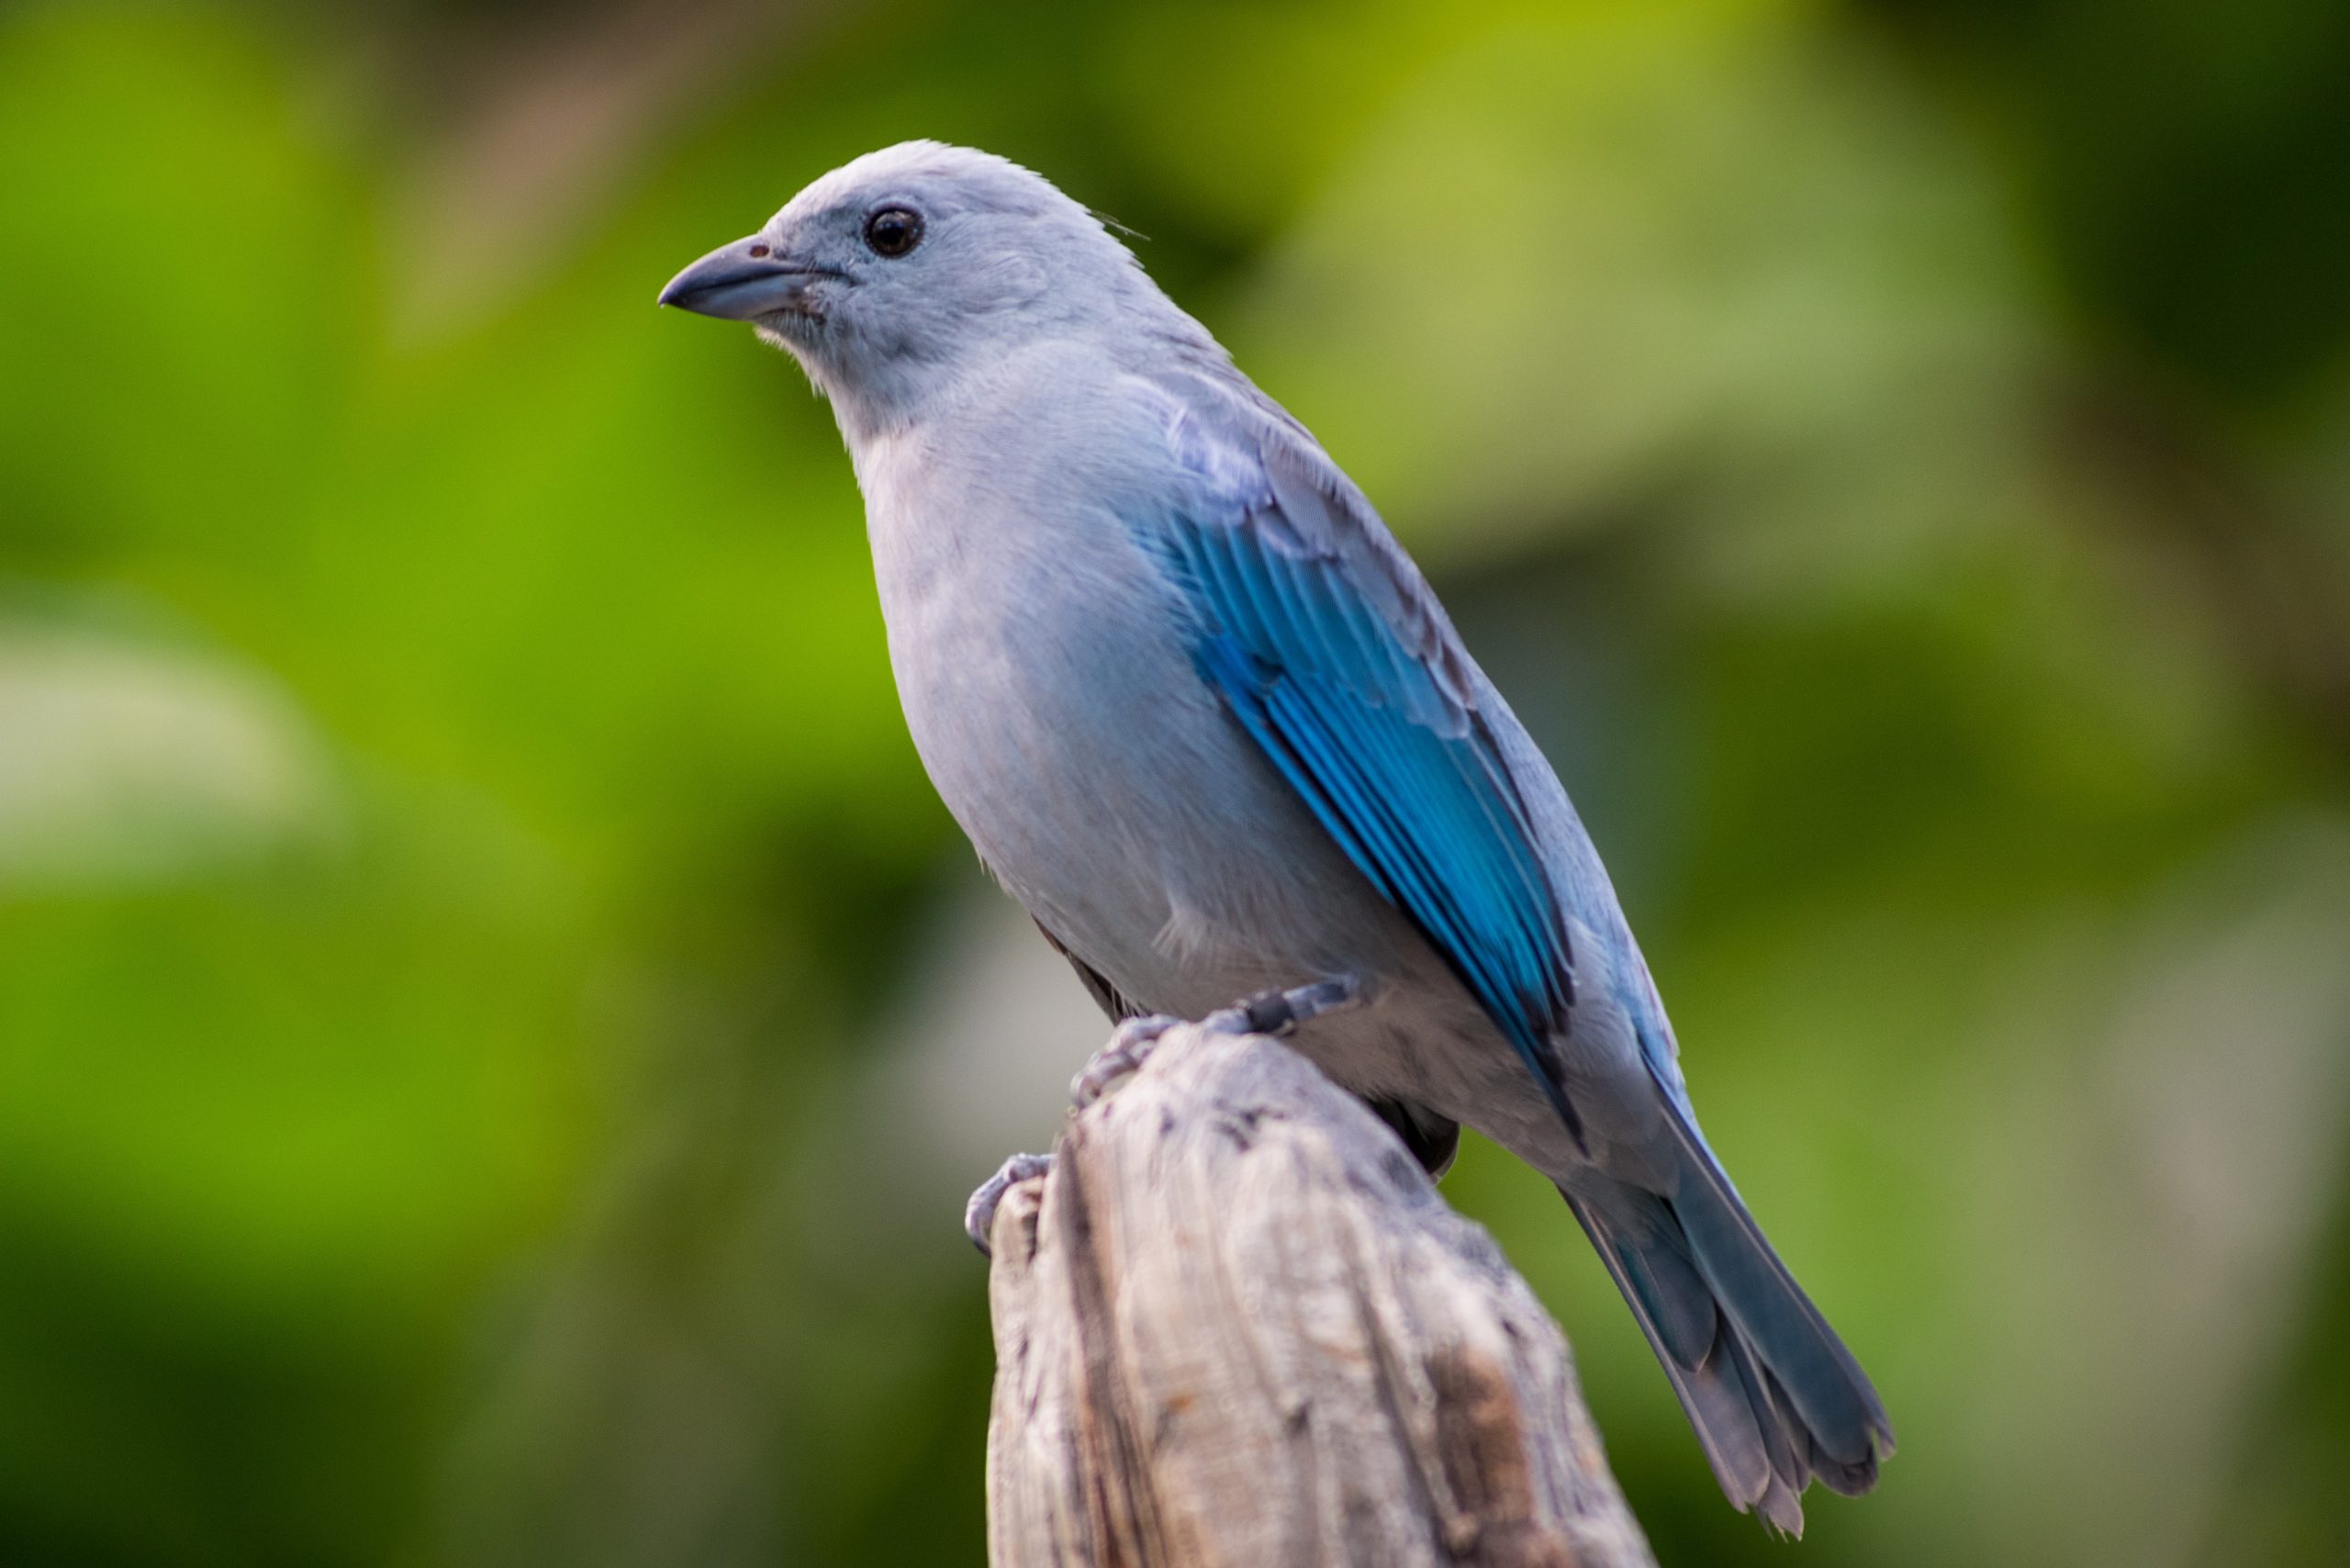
(1235, 1325)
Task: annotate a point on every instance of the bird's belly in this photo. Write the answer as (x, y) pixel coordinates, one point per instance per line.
(1104, 785)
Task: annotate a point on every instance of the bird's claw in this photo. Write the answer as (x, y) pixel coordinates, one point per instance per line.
(1130, 1046)
(978, 1215)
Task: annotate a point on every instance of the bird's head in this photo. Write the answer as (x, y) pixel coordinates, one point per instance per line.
(893, 275)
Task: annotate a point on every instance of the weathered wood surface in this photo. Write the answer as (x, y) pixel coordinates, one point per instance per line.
(1237, 1326)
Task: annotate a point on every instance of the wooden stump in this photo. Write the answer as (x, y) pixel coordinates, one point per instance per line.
(1237, 1326)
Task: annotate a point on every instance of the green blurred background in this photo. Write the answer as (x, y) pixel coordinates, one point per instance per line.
(495, 1030)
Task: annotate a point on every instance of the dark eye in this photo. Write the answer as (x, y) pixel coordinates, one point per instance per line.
(893, 231)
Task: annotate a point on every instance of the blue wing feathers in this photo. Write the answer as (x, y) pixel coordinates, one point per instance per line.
(1327, 649)
(1328, 665)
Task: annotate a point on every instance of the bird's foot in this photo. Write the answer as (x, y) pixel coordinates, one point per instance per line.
(1130, 1046)
(1274, 1013)
(978, 1215)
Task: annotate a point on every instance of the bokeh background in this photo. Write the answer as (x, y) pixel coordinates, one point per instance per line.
(495, 1030)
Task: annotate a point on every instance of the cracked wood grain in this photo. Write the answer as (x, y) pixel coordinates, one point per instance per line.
(1235, 1326)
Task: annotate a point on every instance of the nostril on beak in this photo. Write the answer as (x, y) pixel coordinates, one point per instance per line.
(744, 281)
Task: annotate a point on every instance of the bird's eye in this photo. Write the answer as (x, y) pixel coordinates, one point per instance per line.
(893, 231)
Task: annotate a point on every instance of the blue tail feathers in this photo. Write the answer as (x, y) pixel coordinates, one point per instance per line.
(1775, 1397)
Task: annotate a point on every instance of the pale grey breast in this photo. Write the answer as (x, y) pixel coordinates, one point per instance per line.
(1045, 672)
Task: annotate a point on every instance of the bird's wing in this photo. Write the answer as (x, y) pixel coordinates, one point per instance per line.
(1329, 649)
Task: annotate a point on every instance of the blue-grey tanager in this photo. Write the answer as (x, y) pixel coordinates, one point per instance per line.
(1202, 715)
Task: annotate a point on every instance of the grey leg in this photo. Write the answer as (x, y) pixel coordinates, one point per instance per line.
(1279, 1012)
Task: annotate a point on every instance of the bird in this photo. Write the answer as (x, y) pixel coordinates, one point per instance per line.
(1201, 714)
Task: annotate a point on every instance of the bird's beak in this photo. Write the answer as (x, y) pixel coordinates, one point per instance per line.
(743, 281)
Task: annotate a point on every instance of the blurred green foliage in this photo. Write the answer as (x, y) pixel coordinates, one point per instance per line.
(461, 872)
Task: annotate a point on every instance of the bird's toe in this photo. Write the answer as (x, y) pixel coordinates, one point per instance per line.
(978, 1215)
(1130, 1046)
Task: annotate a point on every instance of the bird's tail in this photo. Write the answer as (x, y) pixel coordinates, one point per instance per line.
(1774, 1396)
